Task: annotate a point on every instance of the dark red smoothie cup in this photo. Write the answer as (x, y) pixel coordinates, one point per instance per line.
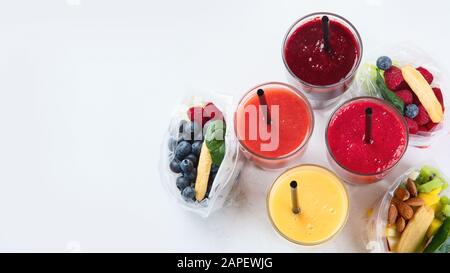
(323, 75)
(286, 135)
(355, 160)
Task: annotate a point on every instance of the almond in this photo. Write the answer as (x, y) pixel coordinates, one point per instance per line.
(405, 210)
(402, 194)
(401, 223)
(392, 214)
(415, 202)
(411, 186)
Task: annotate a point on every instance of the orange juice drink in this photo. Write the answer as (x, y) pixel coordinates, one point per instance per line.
(322, 199)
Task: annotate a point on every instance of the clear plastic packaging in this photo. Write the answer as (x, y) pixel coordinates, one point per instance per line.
(229, 168)
(402, 54)
(375, 233)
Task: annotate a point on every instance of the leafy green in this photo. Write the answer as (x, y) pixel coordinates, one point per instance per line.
(215, 140)
(388, 94)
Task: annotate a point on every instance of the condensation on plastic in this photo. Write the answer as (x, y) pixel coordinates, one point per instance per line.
(229, 169)
(402, 54)
(374, 236)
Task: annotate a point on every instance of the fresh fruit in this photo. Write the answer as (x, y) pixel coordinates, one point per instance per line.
(188, 193)
(413, 127)
(405, 95)
(392, 214)
(422, 117)
(195, 114)
(411, 111)
(175, 165)
(393, 78)
(429, 199)
(215, 141)
(182, 182)
(436, 191)
(426, 74)
(439, 238)
(400, 224)
(191, 176)
(402, 194)
(392, 242)
(433, 228)
(387, 94)
(426, 174)
(424, 92)
(430, 185)
(186, 166)
(204, 168)
(196, 147)
(211, 112)
(446, 210)
(182, 150)
(193, 158)
(415, 202)
(411, 186)
(384, 62)
(415, 230)
(438, 93)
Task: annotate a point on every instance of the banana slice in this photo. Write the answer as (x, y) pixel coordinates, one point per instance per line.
(203, 170)
(415, 231)
(423, 90)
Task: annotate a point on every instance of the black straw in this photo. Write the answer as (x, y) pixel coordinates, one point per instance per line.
(326, 32)
(294, 197)
(368, 135)
(263, 102)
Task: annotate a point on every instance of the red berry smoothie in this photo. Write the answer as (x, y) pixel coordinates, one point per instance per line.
(360, 161)
(322, 74)
(274, 145)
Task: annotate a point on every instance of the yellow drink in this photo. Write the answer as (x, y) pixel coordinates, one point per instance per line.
(323, 203)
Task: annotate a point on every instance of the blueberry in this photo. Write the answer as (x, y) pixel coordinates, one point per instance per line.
(411, 111)
(196, 147)
(171, 143)
(193, 158)
(182, 182)
(186, 166)
(188, 193)
(175, 166)
(191, 176)
(214, 169)
(182, 150)
(384, 63)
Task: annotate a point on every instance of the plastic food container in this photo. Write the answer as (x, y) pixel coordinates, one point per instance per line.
(229, 169)
(403, 54)
(375, 238)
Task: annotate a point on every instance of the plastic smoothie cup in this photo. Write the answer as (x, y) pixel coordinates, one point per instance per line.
(356, 160)
(322, 72)
(273, 144)
(322, 199)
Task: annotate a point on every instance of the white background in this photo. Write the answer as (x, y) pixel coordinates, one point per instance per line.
(86, 91)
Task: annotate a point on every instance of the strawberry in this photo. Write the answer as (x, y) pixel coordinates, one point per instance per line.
(210, 111)
(431, 125)
(426, 74)
(438, 93)
(394, 79)
(422, 118)
(413, 128)
(405, 95)
(195, 114)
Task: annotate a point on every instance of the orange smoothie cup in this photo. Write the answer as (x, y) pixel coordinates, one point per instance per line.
(322, 200)
(273, 129)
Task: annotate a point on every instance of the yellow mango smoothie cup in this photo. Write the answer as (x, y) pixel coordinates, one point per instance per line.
(323, 201)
